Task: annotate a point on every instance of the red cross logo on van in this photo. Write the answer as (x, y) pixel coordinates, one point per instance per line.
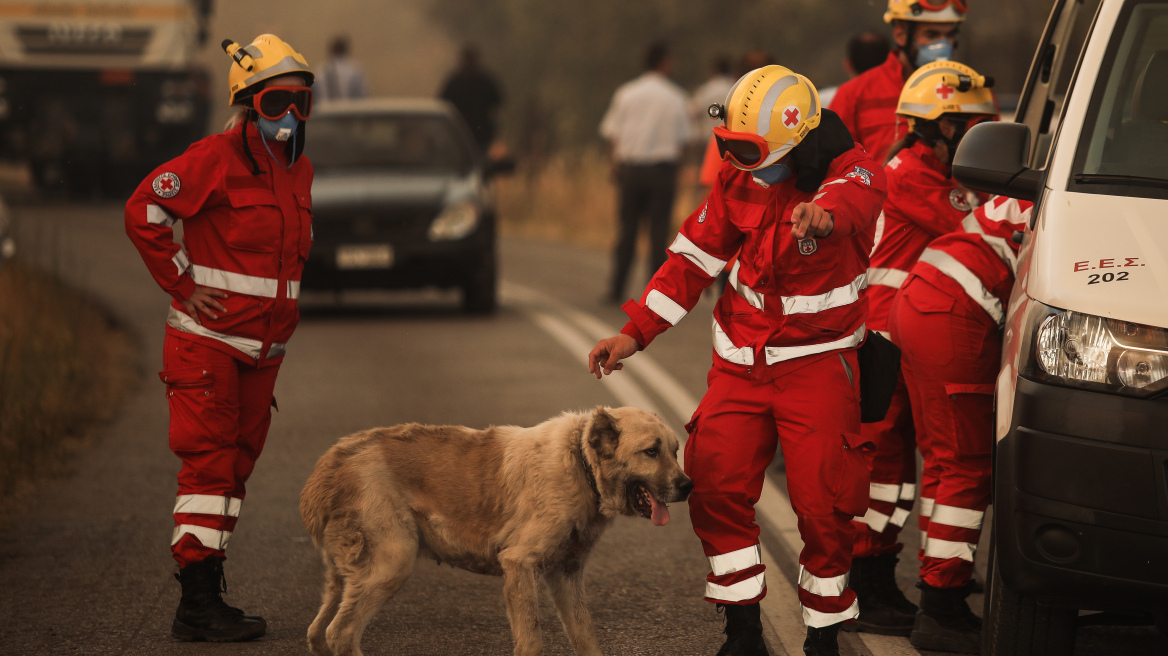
(791, 116)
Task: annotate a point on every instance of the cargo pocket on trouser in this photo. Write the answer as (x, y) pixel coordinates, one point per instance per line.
(196, 424)
(851, 489)
(973, 417)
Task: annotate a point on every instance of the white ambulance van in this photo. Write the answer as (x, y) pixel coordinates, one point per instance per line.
(1080, 519)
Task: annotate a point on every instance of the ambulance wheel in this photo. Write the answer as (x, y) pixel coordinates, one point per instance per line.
(1016, 625)
(480, 288)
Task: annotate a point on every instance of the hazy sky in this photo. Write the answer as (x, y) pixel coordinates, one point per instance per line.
(402, 50)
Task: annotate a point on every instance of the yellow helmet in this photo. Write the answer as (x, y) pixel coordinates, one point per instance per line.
(767, 113)
(927, 11)
(266, 57)
(945, 87)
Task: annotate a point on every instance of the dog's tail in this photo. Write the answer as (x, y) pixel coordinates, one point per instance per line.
(316, 498)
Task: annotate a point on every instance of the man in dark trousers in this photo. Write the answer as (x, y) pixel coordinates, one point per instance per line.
(475, 94)
(647, 128)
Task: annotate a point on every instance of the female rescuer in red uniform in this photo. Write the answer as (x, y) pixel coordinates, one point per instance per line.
(243, 197)
(947, 319)
(797, 201)
(939, 102)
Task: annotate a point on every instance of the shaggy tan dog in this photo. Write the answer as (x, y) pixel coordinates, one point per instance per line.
(517, 502)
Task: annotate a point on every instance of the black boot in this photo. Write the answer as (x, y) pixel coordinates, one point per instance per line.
(945, 622)
(203, 615)
(883, 607)
(822, 641)
(743, 631)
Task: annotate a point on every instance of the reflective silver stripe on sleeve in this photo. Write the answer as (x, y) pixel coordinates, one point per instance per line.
(876, 240)
(908, 492)
(1000, 246)
(887, 277)
(782, 353)
(948, 265)
(209, 537)
(946, 549)
(927, 506)
(832, 586)
(899, 517)
(728, 351)
(875, 520)
(884, 492)
(748, 294)
(735, 561)
(741, 591)
(158, 216)
(239, 283)
(817, 620)
(180, 260)
(838, 297)
(709, 264)
(293, 289)
(957, 517)
(206, 504)
(665, 307)
(251, 347)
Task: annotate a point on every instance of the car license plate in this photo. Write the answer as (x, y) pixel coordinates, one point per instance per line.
(365, 256)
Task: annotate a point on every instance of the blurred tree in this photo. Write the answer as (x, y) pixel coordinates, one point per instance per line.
(563, 60)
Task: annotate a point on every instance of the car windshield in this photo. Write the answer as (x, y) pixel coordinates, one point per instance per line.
(425, 142)
(1124, 146)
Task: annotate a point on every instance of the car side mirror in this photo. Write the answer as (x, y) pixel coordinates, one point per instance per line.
(500, 166)
(992, 158)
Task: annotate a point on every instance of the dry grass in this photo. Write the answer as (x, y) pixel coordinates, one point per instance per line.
(63, 366)
(571, 199)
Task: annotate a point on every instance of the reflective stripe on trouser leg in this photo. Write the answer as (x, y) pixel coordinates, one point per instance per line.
(736, 577)
(878, 529)
(819, 592)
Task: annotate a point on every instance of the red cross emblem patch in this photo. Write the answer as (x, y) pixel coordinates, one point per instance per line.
(943, 91)
(166, 185)
(791, 116)
(808, 246)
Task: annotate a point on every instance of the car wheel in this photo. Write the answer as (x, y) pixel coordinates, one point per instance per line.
(1017, 625)
(480, 289)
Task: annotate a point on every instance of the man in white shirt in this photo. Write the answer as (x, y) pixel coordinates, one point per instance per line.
(712, 91)
(340, 77)
(647, 128)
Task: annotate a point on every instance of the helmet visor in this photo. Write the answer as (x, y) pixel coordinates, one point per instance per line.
(960, 6)
(274, 102)
(746, 151)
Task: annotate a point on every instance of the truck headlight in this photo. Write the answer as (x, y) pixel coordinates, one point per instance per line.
(1096, 353)
(455, 222)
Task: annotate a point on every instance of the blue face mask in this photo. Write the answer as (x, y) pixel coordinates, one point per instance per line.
(280, 130)
(773, 174)
(938, 50)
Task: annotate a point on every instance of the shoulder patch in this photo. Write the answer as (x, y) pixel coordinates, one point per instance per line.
(959, 201)
(166, 185)
(862, 174)
(808, 245)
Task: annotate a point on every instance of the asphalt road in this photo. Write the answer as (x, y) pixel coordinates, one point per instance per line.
(86, 569)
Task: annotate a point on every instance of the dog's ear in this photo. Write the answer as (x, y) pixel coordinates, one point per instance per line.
(603, 434)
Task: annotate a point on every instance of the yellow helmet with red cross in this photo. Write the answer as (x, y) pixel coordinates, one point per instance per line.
(266, 57)
(767, 113)
(927, 11)
(946, 87)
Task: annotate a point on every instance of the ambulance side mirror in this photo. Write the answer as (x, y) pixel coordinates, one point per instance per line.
(992, 158)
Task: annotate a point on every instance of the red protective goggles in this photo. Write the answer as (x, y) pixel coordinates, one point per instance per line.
(960, 6)
(274, 102)
(747, 151)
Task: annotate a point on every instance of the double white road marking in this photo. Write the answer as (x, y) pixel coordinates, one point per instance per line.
(577, 331)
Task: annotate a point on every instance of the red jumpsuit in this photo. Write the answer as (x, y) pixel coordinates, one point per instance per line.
(947, 318)
(784, 372)
(249, 236)
(923, 204)
(867, 104)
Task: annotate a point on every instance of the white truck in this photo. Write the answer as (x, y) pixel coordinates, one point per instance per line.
(1080, 492)
(94, 93)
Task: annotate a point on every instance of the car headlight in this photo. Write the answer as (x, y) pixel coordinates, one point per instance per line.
(1096, 353)
(455, 222)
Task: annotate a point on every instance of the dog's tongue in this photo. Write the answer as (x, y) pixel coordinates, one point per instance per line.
(660, 512)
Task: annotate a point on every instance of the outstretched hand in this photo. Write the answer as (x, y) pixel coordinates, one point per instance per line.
(606, 357)
(811, 220)
(203, 300)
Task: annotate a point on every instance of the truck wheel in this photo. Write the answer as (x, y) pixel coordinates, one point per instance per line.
(480, 289)
(1016, 625)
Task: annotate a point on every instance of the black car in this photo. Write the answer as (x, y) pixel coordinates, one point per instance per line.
(401, 199)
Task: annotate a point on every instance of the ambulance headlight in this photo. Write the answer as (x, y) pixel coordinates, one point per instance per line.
(455, 222)
(1096, 353)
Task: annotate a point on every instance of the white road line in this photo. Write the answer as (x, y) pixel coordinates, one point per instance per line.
(781, 610)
